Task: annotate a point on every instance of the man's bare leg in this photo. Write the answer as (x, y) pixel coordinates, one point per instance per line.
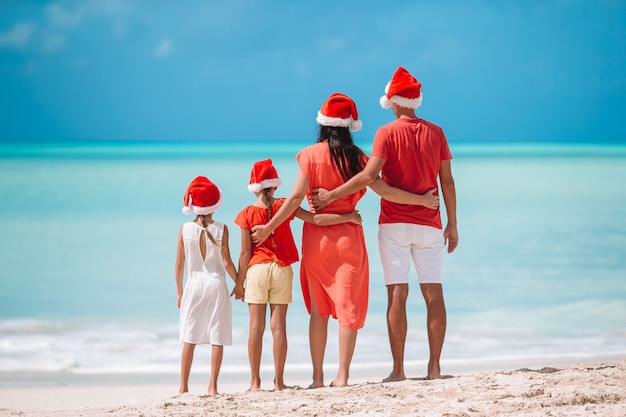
(436, 325)
(397, 327)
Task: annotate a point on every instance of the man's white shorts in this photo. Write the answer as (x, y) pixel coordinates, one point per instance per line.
(398, 243)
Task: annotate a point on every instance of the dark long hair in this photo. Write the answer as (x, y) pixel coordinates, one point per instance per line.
(349, 158)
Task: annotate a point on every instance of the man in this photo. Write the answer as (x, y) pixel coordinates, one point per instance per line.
(412, 154)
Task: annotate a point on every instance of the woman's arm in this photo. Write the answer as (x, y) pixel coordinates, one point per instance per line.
(328, 219)
(179, 267)
(428, 199)
(291, 204)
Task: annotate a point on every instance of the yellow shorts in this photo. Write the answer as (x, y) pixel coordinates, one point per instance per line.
(269, 283)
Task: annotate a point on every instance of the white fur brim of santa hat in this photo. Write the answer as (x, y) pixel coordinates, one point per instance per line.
(206, 195)
(263, 175)
(256, 187)
(403, 90)
(339, 110)
(409, 103)
(354, 125)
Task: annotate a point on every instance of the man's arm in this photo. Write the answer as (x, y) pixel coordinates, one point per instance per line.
(450, 233)
(321, 197)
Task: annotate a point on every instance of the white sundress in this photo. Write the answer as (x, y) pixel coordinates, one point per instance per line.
(205, 308)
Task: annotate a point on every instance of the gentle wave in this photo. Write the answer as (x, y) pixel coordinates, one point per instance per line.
(90, 348)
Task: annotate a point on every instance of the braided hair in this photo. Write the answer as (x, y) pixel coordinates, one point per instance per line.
(202, 217)
(268, 203)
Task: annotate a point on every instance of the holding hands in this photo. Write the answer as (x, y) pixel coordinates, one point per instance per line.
(239, 292)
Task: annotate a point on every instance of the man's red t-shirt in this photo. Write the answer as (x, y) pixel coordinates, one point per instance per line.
(413, 150)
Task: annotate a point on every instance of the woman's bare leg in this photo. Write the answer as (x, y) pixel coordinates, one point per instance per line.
(347, 342)
(318, 334)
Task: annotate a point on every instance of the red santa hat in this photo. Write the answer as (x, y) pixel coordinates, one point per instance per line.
(202, 197)
(263, 175)
(403, 90)
(339, 110)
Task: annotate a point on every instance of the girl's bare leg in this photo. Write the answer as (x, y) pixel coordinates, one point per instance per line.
(185, 366)
(217, 353)
(255, 343)
(278, 324)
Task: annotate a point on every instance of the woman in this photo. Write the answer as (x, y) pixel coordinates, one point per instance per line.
(334, 270)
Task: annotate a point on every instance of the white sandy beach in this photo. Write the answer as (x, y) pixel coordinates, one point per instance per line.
(582, 389)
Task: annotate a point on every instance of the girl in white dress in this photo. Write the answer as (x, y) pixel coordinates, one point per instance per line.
(203, 256)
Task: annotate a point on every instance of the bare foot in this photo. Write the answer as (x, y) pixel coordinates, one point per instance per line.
(255, 384)
(434, 372)
(339, 384)
(316, 385)
(183, 390)
(213, 392)
(395, 377)
(280, 385)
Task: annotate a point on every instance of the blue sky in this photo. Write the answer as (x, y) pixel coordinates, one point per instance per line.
(513, 71)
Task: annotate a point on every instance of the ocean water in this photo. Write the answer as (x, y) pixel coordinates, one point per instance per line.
(88, 239)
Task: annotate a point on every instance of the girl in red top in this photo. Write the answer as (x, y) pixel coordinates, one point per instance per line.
(266, 268)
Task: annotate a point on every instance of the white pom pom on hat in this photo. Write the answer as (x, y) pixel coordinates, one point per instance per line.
(202, 197)
(403, 90)
(339, 110)
(263, 175)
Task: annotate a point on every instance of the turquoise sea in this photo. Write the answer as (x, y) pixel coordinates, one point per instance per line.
(88, 238)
